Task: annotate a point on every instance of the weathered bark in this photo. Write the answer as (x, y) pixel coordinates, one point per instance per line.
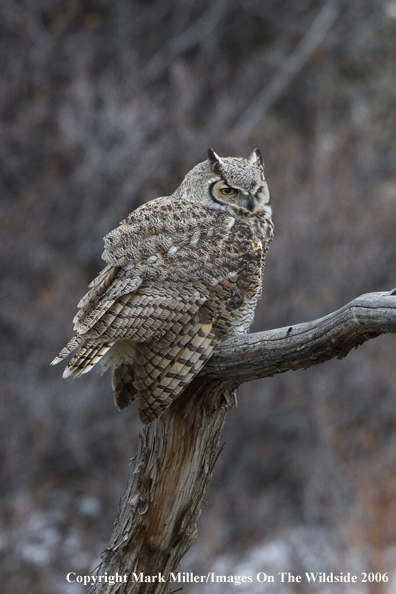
(263, 354)
(157, 519)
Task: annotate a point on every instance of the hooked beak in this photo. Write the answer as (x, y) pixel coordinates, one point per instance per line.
(250, 203)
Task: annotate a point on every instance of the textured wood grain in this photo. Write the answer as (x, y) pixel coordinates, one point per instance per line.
(157, 519)
(158, 514)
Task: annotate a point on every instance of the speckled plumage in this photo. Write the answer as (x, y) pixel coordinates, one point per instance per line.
(182, 273)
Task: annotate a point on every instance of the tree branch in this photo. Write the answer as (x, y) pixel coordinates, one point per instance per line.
(263, 354)
(156, 524)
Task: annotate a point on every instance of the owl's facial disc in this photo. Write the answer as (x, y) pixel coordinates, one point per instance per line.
(249, 203)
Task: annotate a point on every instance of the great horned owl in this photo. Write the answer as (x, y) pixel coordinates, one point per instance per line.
(183, 272)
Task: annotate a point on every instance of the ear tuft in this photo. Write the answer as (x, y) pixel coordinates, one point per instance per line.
(214, 161)
(256, 158)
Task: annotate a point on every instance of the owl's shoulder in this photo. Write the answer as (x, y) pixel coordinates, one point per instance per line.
(162, 221)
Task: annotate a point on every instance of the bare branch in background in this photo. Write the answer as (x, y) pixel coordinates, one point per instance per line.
(272, 91)
(195, 34)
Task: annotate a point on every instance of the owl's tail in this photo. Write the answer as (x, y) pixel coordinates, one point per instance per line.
(69, 348)
(164, 368)
(85, 359)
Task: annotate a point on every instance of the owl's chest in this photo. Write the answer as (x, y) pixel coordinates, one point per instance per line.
(249, 281)
(263, 230)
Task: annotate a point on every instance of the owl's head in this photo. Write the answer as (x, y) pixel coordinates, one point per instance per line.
(239, 184)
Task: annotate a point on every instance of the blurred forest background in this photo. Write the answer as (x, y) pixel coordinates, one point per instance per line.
(105, 105)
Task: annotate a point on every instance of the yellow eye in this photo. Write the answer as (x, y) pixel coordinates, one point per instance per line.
(228, 191)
